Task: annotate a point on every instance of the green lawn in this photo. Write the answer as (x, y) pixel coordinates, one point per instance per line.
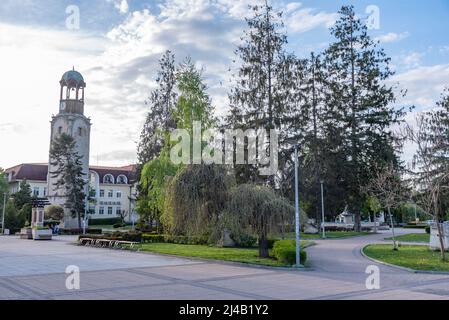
(412, 237)
(329, 235)
(414, 257)
(214, 253)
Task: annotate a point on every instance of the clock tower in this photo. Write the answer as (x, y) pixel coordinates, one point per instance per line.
(70, 120)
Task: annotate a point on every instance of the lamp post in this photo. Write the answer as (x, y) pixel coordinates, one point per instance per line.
(3, 215)
(86, 203)
(322, 211)
(297, 220)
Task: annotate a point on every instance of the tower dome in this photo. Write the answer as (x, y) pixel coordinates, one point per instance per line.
(72, 79)
(72, 92)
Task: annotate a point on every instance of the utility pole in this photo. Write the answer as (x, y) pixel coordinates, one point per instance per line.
(322, 211)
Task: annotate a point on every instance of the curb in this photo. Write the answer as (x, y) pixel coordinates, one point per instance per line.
(400, 267)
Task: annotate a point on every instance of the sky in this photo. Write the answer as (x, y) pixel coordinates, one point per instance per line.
(118, 43)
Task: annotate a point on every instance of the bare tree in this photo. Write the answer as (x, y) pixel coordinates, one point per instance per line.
(430, 175)
(388, 187)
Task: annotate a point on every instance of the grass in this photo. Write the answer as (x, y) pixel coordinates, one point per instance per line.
(412, 237)
(329, 235)
(244, 255)
(409, 256)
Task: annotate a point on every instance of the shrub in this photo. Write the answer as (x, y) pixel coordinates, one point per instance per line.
(135, 236)
(244, 240)
(152, 238)
(79, 231)
(106, 221)
(428, 229)
(285, 252)
(159, 238)
(118, 225)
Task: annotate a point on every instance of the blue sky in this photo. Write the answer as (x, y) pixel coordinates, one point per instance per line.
(119, 42)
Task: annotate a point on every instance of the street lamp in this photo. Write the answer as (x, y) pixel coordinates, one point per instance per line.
(322, 211)
(86, 203)
(297, 221)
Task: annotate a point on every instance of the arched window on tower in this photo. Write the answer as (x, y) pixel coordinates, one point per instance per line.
(122, 179)
(108, 178)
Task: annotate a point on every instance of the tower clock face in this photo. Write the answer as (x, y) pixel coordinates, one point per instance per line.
(62, 105)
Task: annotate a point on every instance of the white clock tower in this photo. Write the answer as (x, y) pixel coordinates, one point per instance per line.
(70, 120)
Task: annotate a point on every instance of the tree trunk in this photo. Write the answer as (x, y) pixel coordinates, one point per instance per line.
(357, 226)
(263, 247)
(79, 221)
(441, 235)
(392, 229)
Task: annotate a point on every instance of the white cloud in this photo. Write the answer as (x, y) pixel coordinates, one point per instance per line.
(424, 84)
(120, 5)
(392, 37)
(300, 20)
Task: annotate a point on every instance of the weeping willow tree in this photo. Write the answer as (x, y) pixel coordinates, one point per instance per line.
(256, 210)
(195, 198)
(153, 180)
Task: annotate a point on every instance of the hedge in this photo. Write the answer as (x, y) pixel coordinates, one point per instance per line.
(285, 252)
(125, 236)
(79, 231)
(105, 221)
(165, 238)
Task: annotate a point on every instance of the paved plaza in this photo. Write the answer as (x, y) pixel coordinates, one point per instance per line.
(336, 270)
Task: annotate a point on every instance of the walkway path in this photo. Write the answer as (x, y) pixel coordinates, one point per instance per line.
(337, 271)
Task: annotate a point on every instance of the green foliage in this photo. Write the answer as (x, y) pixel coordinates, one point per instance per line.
(285, 252)
(256, 210)
(105, 221)
(3, 186)
(193, 103)
(13, 220)
(166, 238)
(23, 196)
(195, 198)
(25, 213)
(153, 181)
(69, 171)
(134, 236)
(159, 120)
(54, 212)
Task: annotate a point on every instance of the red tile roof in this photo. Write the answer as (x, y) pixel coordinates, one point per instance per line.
(38, 171)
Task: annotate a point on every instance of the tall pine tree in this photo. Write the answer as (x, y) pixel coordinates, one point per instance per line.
(159, 119)
(362, 105)
(264, 91)
(65, 158)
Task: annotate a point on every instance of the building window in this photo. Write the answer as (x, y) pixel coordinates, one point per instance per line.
(36, 191)
(110, 193)
(59, 130)
(109, 210)
(80, 131)
(118, 211)
(108, 178)
(101, 210)
(45, 192)
(119, 194)
(122, 179)
(101, 193)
